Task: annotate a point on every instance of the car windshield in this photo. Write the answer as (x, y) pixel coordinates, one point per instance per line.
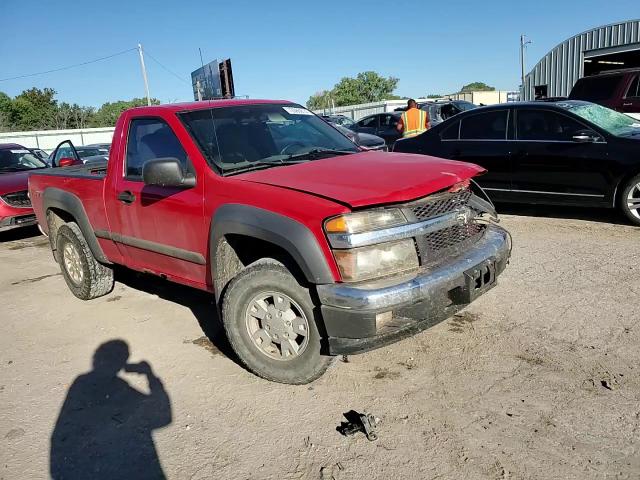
(613, 122)
(246, 137)
(19, 159)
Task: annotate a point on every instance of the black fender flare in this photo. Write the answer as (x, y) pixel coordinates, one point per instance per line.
(71, 204)
(290, 235)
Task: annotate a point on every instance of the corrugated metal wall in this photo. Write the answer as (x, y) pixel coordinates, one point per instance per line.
(561, 68)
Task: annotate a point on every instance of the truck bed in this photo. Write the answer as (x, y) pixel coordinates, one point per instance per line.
(84, 182)
(92, 170)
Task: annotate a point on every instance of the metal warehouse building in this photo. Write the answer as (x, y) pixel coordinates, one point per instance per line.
(611, 47)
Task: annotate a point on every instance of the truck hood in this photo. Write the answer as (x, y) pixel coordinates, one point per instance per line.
(368, 178)
(13, 182)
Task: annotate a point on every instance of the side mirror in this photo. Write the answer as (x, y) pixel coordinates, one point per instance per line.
(585, 136)
(68, 161)
(166, 172)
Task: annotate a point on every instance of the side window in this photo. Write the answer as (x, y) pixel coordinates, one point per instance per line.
(485, 126)
(546, 125)
(451, 132)
(151, 138)
(634, 89)
(389, 121)
(371, 122)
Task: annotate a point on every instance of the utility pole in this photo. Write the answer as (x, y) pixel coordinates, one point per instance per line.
(144, 74)
(523, 44)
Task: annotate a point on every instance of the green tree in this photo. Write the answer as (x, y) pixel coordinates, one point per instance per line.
(34, 109)
(319, 100)
(477, 87)
(434, 95)
(6, 110)
(109, 112)
(364, 88)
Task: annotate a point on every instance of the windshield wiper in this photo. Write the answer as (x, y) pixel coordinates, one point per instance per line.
(262, 164)
(318, 152)
(13, 169)
(276, 161)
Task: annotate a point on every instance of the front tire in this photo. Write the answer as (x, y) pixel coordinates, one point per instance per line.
(85, 276)
(270, 323)
(630, 200)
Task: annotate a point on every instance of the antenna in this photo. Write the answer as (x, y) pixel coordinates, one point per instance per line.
(213, 122)
(144, 74)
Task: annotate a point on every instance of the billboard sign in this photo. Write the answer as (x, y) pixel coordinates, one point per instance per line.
(206, 82)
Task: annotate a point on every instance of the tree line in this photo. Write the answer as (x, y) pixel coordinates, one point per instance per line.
(369, 87)
(38, 109)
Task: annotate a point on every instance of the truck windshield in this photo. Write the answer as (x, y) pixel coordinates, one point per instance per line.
(244, 137)
(613, 122)
(19, 159)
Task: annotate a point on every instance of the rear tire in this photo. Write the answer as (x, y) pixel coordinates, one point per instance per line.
(270, 323)
(85, 276)
(629, 201)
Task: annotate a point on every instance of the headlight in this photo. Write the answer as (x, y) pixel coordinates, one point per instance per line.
(365, 221)
(375, 261)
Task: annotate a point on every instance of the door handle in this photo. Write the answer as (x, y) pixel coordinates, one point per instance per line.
(627, 104)
(126, 197)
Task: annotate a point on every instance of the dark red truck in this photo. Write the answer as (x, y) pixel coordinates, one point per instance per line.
(311, 247)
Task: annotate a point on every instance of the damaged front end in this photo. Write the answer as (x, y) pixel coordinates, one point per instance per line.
(458, 251)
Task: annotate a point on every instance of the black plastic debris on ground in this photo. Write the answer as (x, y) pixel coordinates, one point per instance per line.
(359, 422)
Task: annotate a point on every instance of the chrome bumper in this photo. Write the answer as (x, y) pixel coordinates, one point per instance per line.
(388, 294)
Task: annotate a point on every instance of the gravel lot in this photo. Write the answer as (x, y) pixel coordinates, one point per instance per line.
(537, 380)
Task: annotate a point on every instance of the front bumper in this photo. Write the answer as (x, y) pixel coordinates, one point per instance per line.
(356, 316)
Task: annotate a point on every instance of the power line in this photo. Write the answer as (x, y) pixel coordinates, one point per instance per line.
(166, 68)
(69, 66)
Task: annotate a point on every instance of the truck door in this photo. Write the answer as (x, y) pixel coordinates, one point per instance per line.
(160, 229)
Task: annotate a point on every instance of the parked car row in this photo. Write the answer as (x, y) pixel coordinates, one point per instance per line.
(313, 245)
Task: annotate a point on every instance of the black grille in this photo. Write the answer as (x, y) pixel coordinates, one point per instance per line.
(439, 204)
(452, 240)
(435, 246)
(17, 199)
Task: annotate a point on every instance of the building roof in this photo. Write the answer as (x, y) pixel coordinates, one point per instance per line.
(563, 65)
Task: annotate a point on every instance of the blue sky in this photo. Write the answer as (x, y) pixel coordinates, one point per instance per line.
(283, 49)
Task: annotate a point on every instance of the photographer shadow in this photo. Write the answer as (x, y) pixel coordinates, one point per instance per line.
(104, 428)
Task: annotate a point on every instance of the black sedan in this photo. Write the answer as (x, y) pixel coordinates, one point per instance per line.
(380, 124)
(364, 140)
(566, 152)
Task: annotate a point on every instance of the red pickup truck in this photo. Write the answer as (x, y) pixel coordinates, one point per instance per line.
(311, 246)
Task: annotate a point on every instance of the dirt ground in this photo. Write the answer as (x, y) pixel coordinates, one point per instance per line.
(539, 379)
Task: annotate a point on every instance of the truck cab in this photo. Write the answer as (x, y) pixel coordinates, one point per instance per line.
(310, 246)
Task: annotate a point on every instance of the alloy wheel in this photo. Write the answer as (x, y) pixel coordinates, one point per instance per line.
(633, 201)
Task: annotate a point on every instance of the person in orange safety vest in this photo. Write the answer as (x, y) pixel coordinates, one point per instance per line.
(413, 121)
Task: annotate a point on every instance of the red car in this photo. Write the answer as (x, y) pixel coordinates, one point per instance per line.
(16, 163)
(311, 246)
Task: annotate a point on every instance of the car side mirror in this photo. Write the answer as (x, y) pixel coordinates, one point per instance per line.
(585, 136)
(68, 161)
(166, 172)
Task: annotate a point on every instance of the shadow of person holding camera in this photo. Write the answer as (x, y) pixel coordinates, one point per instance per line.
(105, 425)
